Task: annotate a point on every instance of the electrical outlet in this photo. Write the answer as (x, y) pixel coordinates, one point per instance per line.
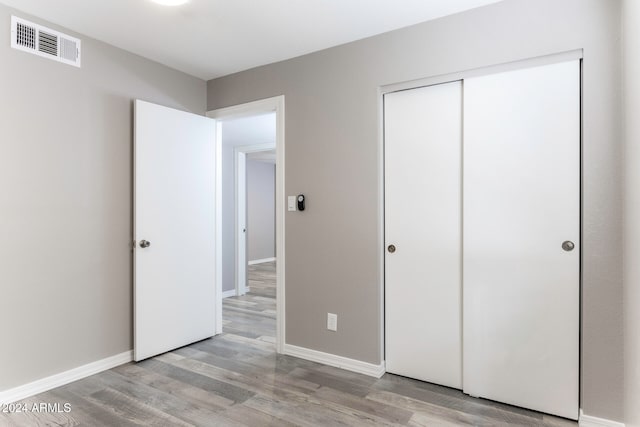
(332, 322)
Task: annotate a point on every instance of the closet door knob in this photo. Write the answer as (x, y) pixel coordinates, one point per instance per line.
(568, 245)
(391, 249)
(144, 244)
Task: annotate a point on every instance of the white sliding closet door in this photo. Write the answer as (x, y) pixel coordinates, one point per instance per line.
(521, 203)
(423, 138)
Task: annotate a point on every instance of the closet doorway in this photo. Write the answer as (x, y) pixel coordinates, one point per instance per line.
(482, 235)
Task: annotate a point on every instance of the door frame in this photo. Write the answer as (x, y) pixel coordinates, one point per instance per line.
(435, 80)
(274, 104)
(240, 196)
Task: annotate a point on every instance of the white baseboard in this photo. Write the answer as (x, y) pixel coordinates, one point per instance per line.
(229, 293)
(589, 421)
(48, 383)
(338, 361)
(261, 261)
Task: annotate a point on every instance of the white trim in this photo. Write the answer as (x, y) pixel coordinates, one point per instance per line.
(491, 69)
(256, 148)
(251, 108)
(381, 228)
(589, 421)
(261, 261)
(280, 225)
(229, 293)
(58, 380)
(337, 361)
(240, 220)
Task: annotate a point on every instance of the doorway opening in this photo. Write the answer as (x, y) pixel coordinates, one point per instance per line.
(254, 168)
(251, 249)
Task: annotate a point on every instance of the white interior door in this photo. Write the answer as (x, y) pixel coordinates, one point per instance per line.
(241, 222)
(175, 298)
(521, 202)
(423, 138)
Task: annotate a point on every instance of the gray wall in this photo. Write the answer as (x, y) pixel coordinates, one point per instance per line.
(631, 40)
(228, 217)
(332, 152)
(65, 203)
(261, 210)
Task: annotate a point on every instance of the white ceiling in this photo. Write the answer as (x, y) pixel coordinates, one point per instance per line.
(252, 130)
(213, 38)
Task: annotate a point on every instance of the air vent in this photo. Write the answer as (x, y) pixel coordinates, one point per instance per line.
(70, 50)
(38, 40)
(26, 36)
(48, 43)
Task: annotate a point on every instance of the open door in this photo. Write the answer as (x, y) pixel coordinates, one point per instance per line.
(241, 222)
(174, 229)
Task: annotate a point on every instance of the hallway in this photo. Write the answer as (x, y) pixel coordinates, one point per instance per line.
(253, 315)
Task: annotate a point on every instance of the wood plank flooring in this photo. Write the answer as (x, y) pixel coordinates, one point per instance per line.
(237, 379)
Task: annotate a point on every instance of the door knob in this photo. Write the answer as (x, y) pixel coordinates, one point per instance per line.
(391, 249)
(568, 245)
(144, 244)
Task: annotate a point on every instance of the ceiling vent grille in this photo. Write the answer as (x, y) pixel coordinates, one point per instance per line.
(25, 36)
(38, 40)
(48, 43)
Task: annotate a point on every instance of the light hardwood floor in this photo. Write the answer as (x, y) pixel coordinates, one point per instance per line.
(237, 379)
